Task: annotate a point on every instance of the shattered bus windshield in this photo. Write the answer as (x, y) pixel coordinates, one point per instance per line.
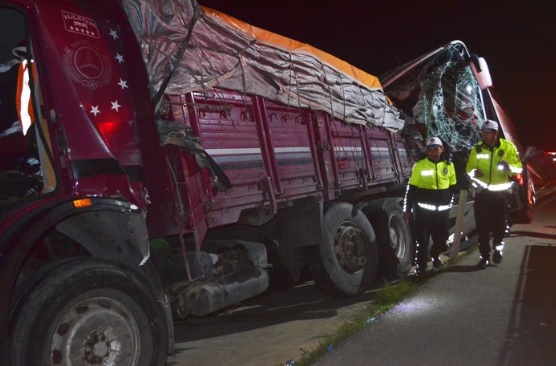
(440, 94)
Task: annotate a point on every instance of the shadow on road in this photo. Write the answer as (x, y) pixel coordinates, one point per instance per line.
(456, 268)
(531, 333)
(535, 234)
(302, 302)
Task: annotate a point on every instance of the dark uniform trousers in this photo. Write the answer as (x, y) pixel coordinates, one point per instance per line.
(430, 224)
(490, 217)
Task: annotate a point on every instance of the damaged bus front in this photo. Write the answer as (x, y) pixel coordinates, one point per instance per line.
(449, 93)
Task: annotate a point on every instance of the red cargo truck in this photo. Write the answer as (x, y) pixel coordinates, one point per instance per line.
(159, 159)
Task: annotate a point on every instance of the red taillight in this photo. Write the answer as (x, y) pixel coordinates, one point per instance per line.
(519, 179)
(107, 129)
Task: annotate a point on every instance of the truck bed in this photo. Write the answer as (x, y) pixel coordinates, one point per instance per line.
(275, 154)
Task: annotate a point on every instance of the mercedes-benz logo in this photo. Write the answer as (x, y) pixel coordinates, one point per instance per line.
(88, 62)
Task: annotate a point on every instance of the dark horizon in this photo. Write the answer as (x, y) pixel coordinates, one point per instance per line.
(518, 41)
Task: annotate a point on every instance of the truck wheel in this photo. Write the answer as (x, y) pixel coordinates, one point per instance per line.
(392, 235)
(87, 311)
(345, 263)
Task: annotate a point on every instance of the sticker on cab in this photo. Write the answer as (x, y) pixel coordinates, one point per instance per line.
(79, 24)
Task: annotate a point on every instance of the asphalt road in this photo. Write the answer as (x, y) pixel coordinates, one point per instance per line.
(504, 315)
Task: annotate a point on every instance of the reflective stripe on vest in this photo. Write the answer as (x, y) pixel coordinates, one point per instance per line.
(428, 206)
(491, 187)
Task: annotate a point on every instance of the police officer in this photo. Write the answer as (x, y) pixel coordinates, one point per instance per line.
(491, 164)
(429, 195)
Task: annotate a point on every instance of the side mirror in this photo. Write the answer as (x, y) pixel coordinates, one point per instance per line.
(480, 70)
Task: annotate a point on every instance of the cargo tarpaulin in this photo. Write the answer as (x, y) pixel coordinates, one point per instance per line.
(221, 51)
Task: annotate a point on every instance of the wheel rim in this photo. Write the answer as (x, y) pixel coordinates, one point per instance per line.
(96, 331)
(397, 239)
(350, 247)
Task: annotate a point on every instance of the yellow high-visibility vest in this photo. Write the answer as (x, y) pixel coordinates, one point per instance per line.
(429, 175)
(430, 185)
(488, 161)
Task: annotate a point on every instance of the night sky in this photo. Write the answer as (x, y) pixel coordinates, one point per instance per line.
(517, 39)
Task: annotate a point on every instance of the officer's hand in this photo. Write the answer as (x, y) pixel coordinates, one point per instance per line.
(504, 166)
(406, 216)
(478, 173)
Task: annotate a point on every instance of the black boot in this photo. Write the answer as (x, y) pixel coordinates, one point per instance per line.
(483, 263)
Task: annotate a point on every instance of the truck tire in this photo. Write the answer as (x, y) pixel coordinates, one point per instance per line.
(393, 237)
(345, 263)
(87, 311)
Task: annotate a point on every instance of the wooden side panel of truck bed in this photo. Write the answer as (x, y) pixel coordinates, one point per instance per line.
(274, 154)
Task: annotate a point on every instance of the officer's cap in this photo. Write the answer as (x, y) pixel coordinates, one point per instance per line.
(434, 142)
(490, 125)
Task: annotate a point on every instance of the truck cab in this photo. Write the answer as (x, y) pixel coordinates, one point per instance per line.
(72, 192)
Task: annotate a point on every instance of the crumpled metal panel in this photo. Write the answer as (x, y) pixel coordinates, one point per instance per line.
(223, 52)
(440, 92)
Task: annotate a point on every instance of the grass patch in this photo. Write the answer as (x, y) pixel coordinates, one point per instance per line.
(385, 298)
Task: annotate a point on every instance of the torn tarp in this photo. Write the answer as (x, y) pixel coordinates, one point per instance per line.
(222, 51)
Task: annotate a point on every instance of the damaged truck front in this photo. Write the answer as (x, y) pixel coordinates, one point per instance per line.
(161, 160)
